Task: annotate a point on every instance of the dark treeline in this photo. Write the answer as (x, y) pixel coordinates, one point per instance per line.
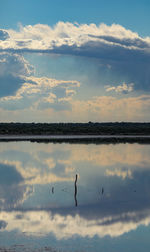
(116, 128)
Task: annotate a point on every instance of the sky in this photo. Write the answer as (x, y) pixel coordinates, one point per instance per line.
(74, 61)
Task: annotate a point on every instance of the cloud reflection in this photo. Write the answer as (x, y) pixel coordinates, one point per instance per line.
(12, 190)
(41, 223)
(29, 171)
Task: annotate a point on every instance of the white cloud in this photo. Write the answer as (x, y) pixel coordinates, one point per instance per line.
(44, 37)
(14, 64)
(13, 69)
(3, 35)
(99, 108)
(21, 89)
(124, 88)
(123, 50)
(44, 93)
(109, 108)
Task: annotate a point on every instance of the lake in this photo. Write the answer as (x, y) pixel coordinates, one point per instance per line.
(74, 197)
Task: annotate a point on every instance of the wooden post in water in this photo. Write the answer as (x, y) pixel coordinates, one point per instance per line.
(75, 191)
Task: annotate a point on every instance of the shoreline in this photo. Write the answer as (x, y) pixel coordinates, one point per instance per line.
(78, 138)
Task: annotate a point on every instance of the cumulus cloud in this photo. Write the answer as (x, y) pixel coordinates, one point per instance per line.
(98, 108)
(13, 69)
(14, 64)
(3, 35)
(123, 50)
(109, 108)
(41, 93)
(44, 37)
(124, 88)
(20, 89)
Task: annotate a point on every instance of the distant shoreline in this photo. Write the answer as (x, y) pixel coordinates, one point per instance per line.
(90, 128)
(91, 132)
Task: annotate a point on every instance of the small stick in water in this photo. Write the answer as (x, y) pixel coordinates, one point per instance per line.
(52, 189)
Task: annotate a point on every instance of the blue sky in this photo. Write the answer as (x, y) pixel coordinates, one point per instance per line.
(74, 60)
(131, 14)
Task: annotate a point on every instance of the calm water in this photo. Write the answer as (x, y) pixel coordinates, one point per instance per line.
(74, 197)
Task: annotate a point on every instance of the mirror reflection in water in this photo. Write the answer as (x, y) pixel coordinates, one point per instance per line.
(75, 197)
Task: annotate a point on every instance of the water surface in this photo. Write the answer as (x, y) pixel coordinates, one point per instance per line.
(74, 197)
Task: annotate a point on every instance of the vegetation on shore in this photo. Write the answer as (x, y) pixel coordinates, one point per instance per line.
(116, 128)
